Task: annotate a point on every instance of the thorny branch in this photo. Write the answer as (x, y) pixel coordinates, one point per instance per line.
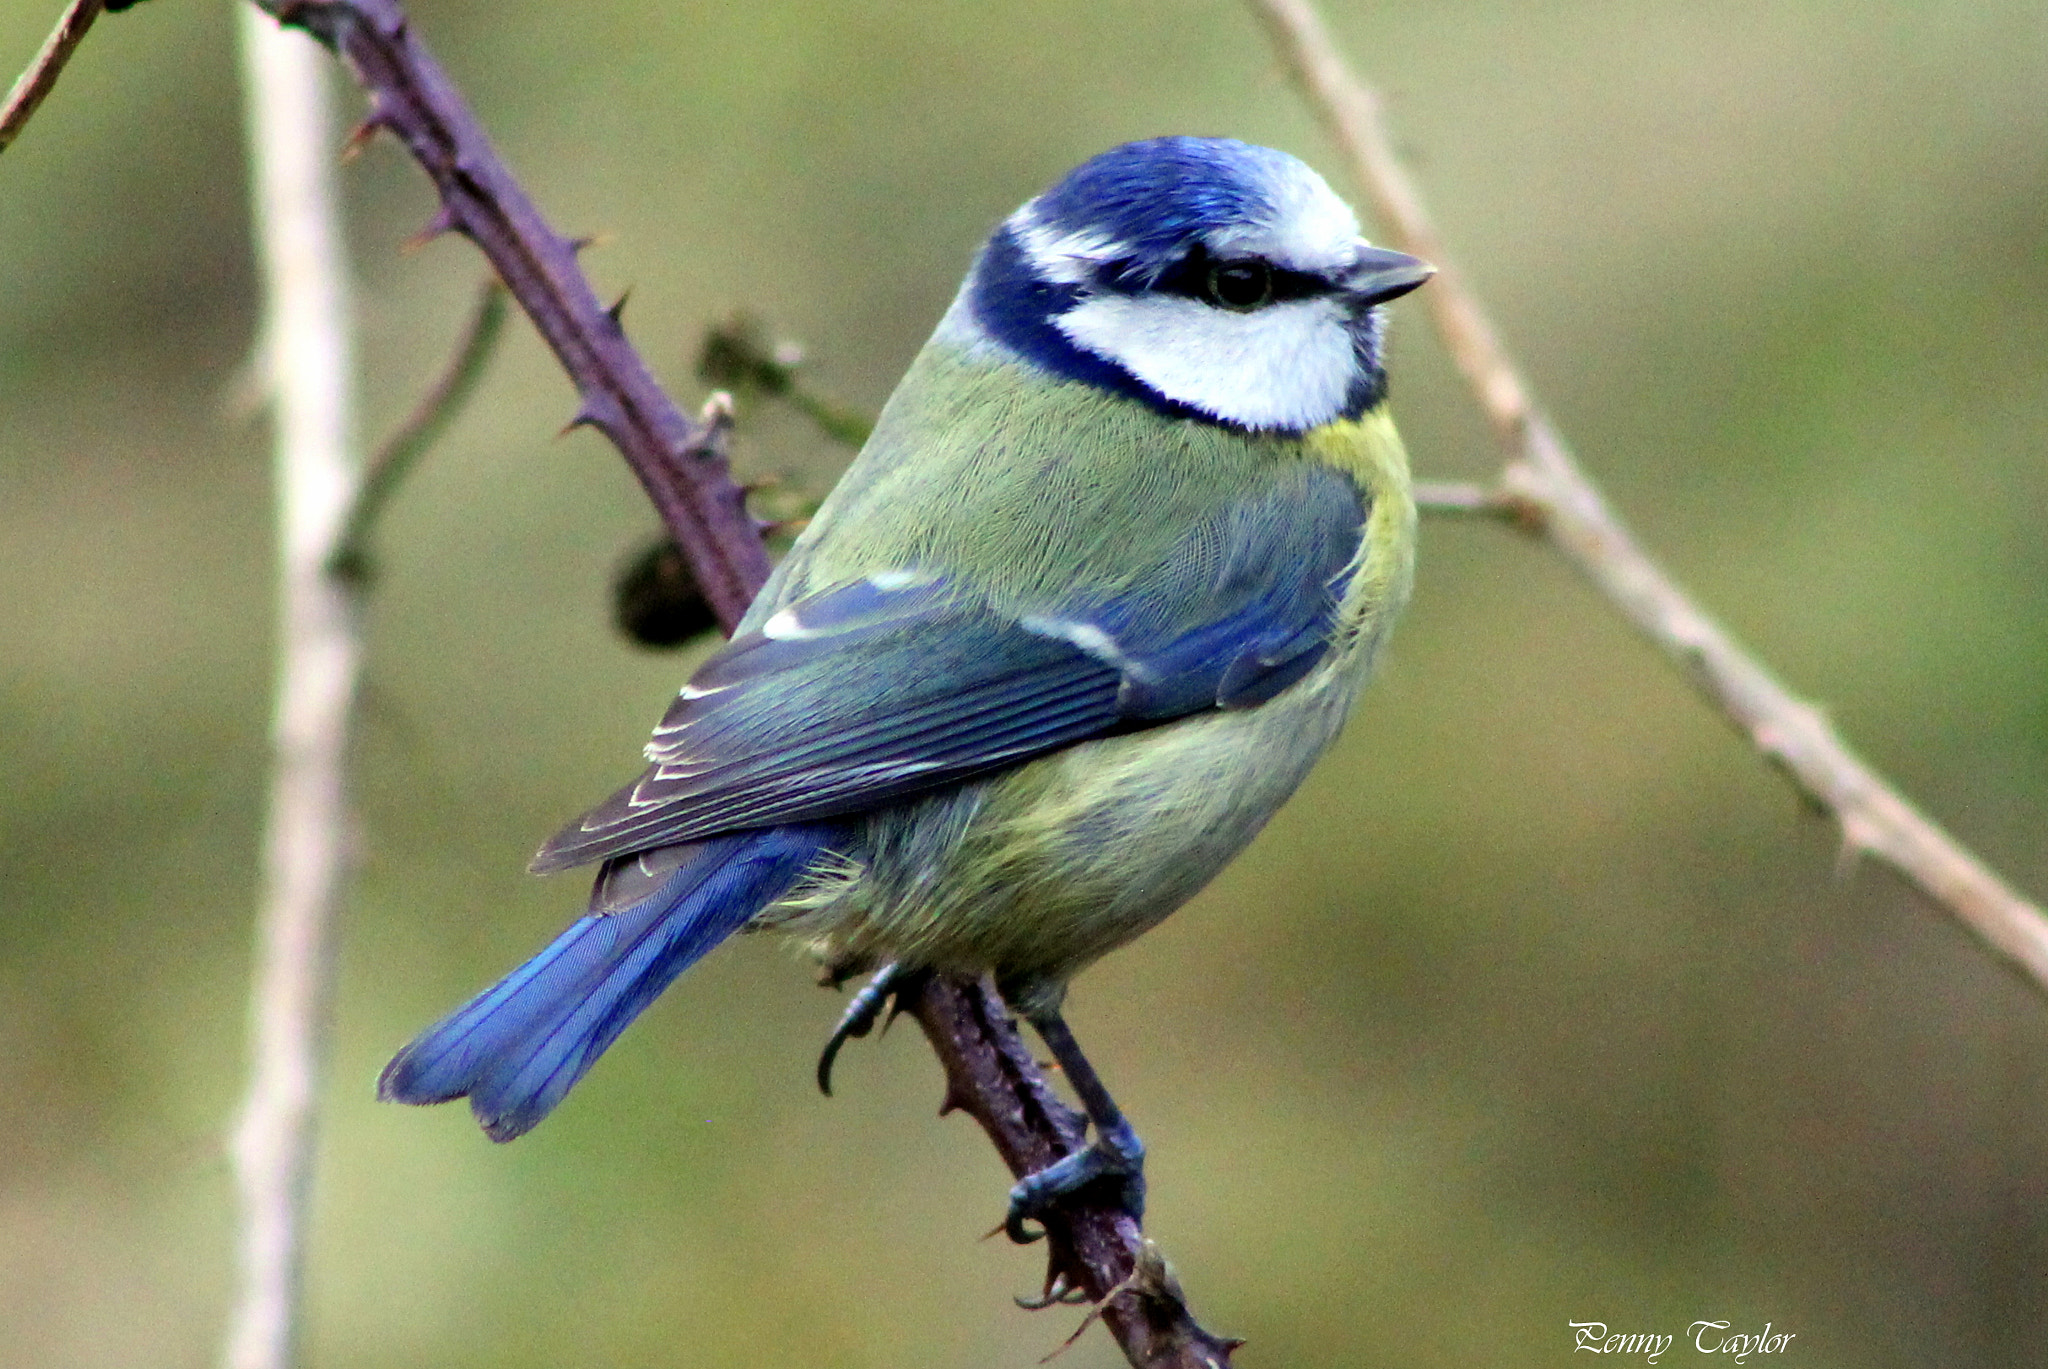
(680, 463)
(1099, 1251)
(1092, 1245)
(1544, 487)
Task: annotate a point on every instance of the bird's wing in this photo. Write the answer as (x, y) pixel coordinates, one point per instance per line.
(869, 692)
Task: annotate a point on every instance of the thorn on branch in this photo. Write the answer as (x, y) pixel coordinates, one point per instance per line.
(361, 136)
(441, 223)
(589, 414)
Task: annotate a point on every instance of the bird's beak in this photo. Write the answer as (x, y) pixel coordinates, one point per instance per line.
(1379, 274)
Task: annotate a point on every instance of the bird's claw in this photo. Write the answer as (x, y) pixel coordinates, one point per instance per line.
(1116, 1154)
(1057, 1292)
(860, 1017)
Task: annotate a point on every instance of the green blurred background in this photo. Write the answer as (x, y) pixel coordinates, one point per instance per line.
(1545, 1001)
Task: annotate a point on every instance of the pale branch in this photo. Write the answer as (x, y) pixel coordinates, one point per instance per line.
(41, 74)
(1092, 1245)
(1350, 110)
(306, 855)
(1472, 500)
(1553, 498)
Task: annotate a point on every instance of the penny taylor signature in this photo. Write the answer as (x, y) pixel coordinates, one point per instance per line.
(1707, 1337)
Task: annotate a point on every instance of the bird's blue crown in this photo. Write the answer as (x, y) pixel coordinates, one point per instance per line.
(1158, 198)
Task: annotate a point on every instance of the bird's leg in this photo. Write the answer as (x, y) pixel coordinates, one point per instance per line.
(861, 1015)
(1116, 1152)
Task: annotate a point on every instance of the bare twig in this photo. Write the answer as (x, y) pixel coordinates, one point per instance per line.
(681, 465)
(737, 355)
(1479, 501)
(422, 427)
(34, 83)
(306, 855)
(1555, 498)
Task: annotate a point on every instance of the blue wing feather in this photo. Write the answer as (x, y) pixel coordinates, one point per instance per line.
(869, 692)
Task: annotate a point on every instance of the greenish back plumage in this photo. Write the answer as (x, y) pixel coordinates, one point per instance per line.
(980, 465)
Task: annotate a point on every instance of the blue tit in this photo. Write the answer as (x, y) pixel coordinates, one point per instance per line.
(1104, 582)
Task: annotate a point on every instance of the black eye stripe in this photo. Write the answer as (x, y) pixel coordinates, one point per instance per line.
(1189, 277)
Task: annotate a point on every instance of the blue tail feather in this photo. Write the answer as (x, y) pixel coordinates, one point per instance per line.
(517, 1048)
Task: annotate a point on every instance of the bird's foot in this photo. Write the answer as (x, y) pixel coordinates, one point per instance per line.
(1116, 1155)
(883, 991)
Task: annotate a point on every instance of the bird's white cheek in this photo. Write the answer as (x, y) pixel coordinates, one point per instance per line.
(1284, 366)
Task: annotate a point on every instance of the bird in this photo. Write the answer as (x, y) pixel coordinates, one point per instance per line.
(1121, 550)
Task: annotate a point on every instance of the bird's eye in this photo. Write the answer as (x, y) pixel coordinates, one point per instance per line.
(1240, 284)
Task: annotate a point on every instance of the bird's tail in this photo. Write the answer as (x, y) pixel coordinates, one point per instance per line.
(516, 1049)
